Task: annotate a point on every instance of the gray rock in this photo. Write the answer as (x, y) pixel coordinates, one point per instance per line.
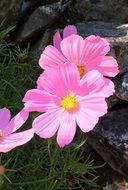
(110, 187)
(106, 10)
(10, 11)
(40, 45)
(113, 101)
(110, 139)
(40, 19)
(121, 84)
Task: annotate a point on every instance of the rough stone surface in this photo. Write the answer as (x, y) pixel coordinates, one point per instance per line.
(121, 84)
(106, 10)
(113, 101)
(110, 139)
(10, 11)
(40, 19)
(40, 45)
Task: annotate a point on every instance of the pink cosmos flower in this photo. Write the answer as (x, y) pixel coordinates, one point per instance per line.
(67, 101)
(8, 138)
(87, 54)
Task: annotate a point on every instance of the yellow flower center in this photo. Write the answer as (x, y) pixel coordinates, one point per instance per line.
(81, 70)
(1, 134)
(69, 103)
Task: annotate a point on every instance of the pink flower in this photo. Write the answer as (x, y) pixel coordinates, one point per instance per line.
(67, 101)
(68, 30)
(8, 138)
(87, 54)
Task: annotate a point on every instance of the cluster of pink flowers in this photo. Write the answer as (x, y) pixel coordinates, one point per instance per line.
(70, 92)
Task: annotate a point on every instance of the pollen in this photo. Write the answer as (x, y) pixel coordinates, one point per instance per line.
(69, 102)
(1, 134)
(81, 70)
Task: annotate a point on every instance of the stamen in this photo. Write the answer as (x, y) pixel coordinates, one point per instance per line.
(69, 102)
(81, 70)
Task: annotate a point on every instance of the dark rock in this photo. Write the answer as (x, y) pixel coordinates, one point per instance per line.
(40, 19)
(40, 45)
(10, 11)
(113, 101)
(121, 84)
(110, 139)
(106, 10)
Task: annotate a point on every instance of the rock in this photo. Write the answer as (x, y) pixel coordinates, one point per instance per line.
(41, 19)
(10, 11)
(113, 101)
(110, 187)
(121, 84)
(39, 46)
(110, 139)
(105, 10)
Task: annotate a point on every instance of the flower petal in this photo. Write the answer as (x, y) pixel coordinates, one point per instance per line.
(39, 100)
(51, 57)
(50, 80)
(60, 81)
(91, 51)
(16, 122)
(92, 82)
(108, 66)
(97, 39)
(72, 48)
(69, 30)
(67, 129)
(56, 40)
(13, 140)
(47, 124)
(109, 87)
(94, 104)
(4, 117)
(86, 121)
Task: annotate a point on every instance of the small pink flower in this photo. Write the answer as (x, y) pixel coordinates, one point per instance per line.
(67, 101)
(8, 138)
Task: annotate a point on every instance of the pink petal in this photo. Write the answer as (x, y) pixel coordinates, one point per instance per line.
(39, 100)
(108, 66)
(86, 121)
(56, 40)
(91, 51)
(97, 39)
(47, 124)
(92, 82)
(13, 140)
(69, 30)
(109, 87)
(60, 81)
(51, 57)
(52, 83)
(70, 76)
(16, 122)
(67, 129)
(72, 48)
(4, 117)
(94, 104)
